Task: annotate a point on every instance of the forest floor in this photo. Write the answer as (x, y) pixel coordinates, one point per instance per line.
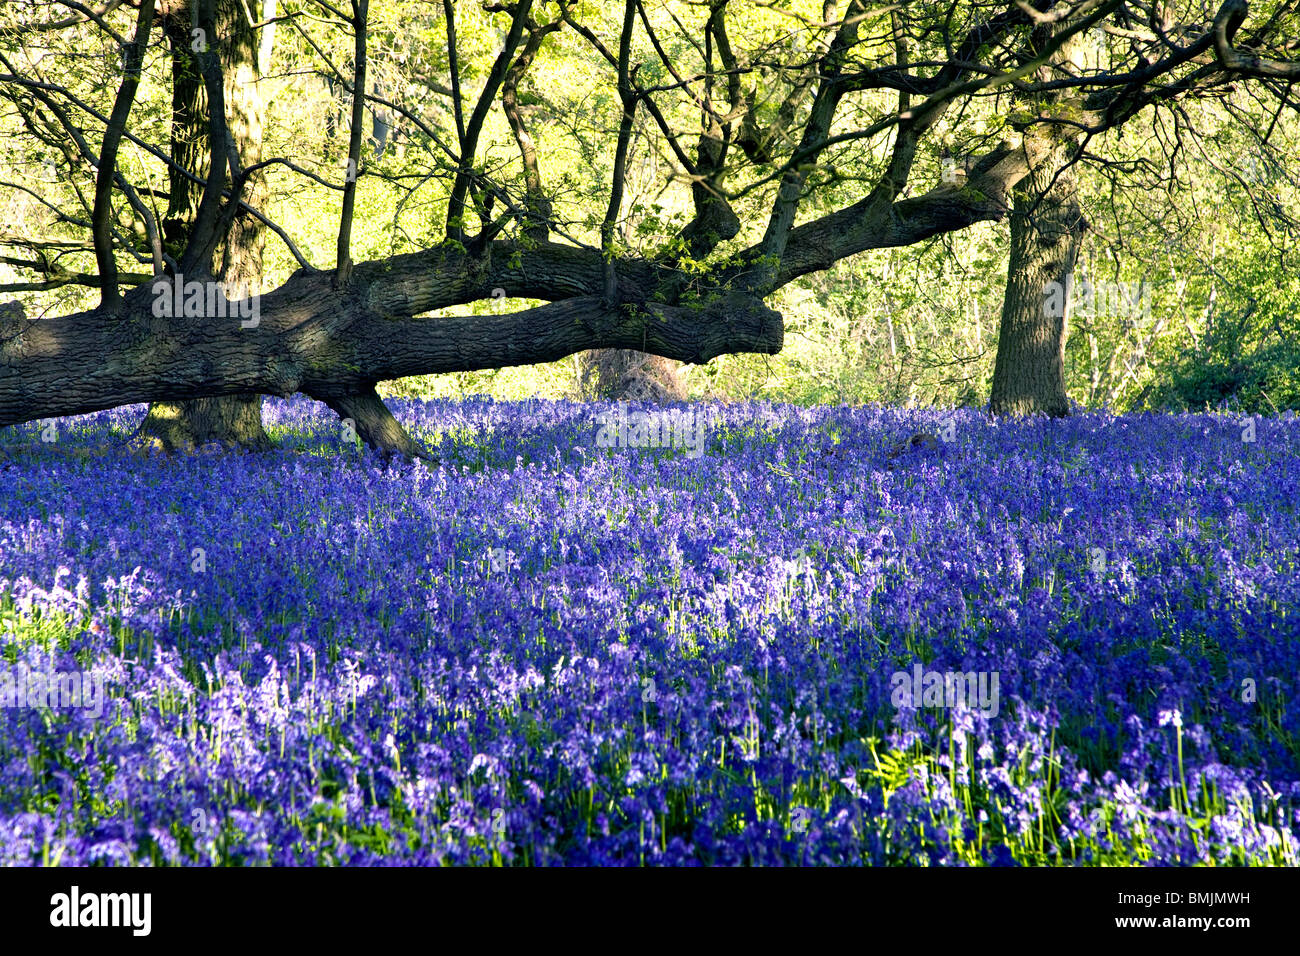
(746, 634)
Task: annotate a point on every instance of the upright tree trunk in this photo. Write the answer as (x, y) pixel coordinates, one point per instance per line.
(1047, 228)
(628, 375)
(234, 421)
(1046, 232)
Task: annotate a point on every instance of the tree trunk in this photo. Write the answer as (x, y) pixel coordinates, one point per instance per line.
(1046, 232)
(335, 344)
(631, 376)
(375, 425)
(235, 421)
(334, 341)
(1047, 228)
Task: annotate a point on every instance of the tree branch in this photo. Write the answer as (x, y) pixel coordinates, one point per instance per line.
(360, 16)
(469, 145)
(1226, 24)
(102, 215)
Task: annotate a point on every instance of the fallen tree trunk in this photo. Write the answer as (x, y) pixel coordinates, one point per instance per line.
(335, 344)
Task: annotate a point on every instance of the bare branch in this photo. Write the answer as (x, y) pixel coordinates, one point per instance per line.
(360, 16)
(101, 217)
(1226, 24)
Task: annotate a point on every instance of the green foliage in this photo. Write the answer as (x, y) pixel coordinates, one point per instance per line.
(1266, 382)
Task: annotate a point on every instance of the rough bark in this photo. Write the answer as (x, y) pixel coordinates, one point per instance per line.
(331, 344)
(335, 341)
(232, 421)
(1029, 372)
(1047, 228)
(235, 421)
(376, 426)
(630, 375)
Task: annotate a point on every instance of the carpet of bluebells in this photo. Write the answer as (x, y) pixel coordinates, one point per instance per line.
(543, 651)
